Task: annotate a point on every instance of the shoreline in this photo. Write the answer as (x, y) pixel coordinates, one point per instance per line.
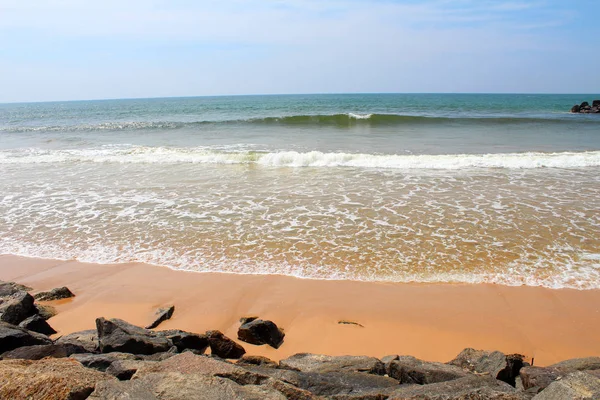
(429, 321)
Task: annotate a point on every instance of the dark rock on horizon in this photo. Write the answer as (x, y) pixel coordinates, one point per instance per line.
(162, 314)
(260, 332)
(12, 336)
(307, 362)
(585, 108)
(500, 366)
(410, 370)
(118, 335)
(37, 324)
(222, 346)
(15, 307)
(37, 352)
(55, 294)
(48, 379)
(88, 339)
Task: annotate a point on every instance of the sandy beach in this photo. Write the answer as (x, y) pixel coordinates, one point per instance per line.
(429, 321)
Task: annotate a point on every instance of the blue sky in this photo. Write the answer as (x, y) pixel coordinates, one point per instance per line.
(75, 49)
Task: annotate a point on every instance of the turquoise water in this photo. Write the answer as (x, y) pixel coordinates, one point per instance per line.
(384, 187)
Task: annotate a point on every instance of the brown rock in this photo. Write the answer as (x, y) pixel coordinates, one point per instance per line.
(410, 370)
(222, 346)
(42, 351)
(538, 377)
(307, 362)
(162, 314)
(577, 385)
(498, 365)
(55, 294)
(256, 361)
(260, 332)
(87, 339)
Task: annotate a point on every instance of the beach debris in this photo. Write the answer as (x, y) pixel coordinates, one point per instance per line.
(585, 108)
(17, 306)
(307, 362)
(498, 365)
(87, 339)
(49, 379)
(257, 361)
(12, 336)
(162, 314)
(55, 294)
(411, 370)
(258, 332)
(222, 346)
(118, 335)
(37, 324)
(197, 343)
(37, 352)
(346, 322)
(577, 385)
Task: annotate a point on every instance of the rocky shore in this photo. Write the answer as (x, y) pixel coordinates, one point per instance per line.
(585, 108)
(118, 360)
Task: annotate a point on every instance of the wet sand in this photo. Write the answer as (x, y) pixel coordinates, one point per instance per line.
(429, 321)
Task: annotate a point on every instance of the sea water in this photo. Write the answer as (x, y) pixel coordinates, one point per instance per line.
(372, 187)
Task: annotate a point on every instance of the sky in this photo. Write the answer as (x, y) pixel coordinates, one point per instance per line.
(79, 49)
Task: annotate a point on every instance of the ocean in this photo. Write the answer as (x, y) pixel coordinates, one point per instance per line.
(461, 188)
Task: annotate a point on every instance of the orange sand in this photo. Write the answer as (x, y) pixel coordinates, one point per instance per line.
(433, 322)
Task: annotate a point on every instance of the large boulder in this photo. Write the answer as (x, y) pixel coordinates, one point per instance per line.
(45, 311)
(12, 336)
(538, 378)
(222, 346)
(9, 288)
(37, 324)
(260, 332)
(468, 388)
(161, 315)
(186, 340)
(578, 364)
(40, 351)
(596, 103)
(16, 307)
(410, 370)
(575, 108)
(87, 339)
(101, 362)
(498, 365)
(578, 385)
(55, 294)
(307, 362)
(48, 379)
(118, 335)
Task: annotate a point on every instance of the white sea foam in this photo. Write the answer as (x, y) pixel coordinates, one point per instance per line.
(169, 155)
(360, 116)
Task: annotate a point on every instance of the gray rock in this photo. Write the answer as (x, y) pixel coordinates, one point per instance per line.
(410, 370)
(260, 332)
(307, 362)
(222, 346)
(186, 340)
(124, 369)
(16, 307)
(595, 103)
(256, 361)
(87, 339)
(38, 352)
(12, 336)
(345, 383)
(503, 367)
(55, 294)
(9, 288)
(577, 385)
(48, 379)
(387, 360)
(37, 324)
(538, 377)
(162, 314)
(578, 364)
(101, 362)
(45, 311)
(118, 335)
(468, 388)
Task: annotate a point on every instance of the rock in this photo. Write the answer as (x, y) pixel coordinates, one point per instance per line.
(387, 360)
(101, 362)
(577, 385)
(256, 360)
(538, 377)
(575, 108)
(123, 370)
(118, 335)
(87, 339)
(345, 383)
(162, 314)
(585, 104)
(259, 332)
(12, 336)
(307, 362)
(468, 388)
(37, 324)
(179, 386)
(245, 320)
(410, 370)
(48, 379)
(55, 294)
(9, 288)
(503, 367)
(40, 351)
(596, 103)
(222, 346)
(186, 340)
(16, 307)
(578, 364)
(161, 356)
(45, 311)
